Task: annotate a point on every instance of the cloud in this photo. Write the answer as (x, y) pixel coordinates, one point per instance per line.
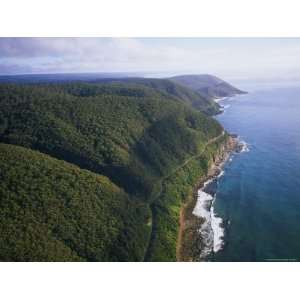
(223, 57)
(73, 54)
(88, 54)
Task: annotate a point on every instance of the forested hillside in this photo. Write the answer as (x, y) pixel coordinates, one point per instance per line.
(208, 86)
(136, 134)
(167, 87)
(54, 211)
(131, 135)
(171, 88)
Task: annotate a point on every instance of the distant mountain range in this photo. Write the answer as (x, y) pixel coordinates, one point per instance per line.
(62, 77)
(207, 85)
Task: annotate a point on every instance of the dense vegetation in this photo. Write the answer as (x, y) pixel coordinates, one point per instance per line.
(131, 135)
(189, 95)
(177, 189)
(53, 211)
(171, 88)
(136, 133)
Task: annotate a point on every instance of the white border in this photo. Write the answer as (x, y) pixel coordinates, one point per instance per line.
(158, 18)
(148, 281)
(142, 18)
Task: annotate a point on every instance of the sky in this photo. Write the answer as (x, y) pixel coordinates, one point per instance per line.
(229, 58)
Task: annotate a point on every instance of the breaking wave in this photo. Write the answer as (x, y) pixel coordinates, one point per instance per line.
(211, 230)
(244, 146)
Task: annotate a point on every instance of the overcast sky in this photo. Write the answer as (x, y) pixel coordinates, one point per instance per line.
(230, 58)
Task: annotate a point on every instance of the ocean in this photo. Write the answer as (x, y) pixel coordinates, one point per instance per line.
(256, 201)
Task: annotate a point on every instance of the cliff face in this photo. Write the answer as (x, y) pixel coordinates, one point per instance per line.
(189, 242)
(231, 144)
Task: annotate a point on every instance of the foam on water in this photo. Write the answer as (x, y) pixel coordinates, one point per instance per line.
(202, 210)
(220, 99)
(211, 230)
(243, 144)
(221, 173)
(224, 107)
(218, 230)
(245, 147)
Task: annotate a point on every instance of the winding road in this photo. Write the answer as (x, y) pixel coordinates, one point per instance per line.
(158, 194)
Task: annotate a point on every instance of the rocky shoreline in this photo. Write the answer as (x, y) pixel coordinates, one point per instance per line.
(190, 242)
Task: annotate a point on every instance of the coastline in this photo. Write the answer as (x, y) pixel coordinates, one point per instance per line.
(189, 241)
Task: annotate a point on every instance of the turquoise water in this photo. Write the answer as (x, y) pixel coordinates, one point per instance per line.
(258, 197)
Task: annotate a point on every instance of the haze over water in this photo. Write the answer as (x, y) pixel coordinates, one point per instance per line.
(259, 195)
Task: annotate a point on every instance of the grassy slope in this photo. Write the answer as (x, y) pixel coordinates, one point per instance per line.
(53, 211)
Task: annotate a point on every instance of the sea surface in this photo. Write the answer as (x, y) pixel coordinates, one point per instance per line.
(258, 197)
